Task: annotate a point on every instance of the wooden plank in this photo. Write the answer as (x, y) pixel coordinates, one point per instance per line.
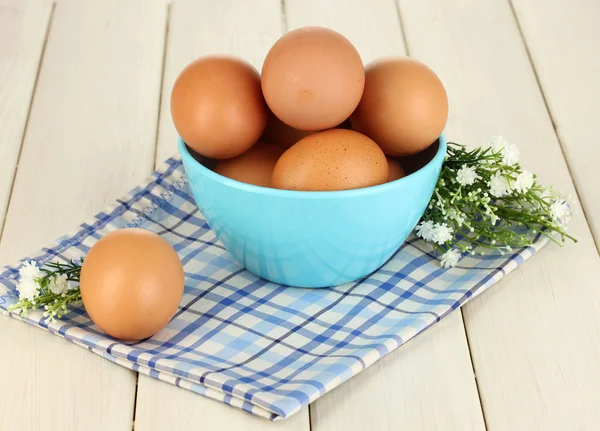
(90, 138)
(23, 26)
(246, 29)
(162, 406)
(397, 394)
(563, 42)
(411, 388)
(535, 337)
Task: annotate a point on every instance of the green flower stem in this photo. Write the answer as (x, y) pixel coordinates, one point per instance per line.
(478, 219)
(53, 304)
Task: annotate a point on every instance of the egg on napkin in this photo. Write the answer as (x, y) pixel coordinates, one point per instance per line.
(131, 283)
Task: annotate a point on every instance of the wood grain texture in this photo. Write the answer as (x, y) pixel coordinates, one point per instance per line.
(196, 28)
(90, 138)
(92, 128)
(534, 337)
(403, 391)
(246, 29)
(162, 406)
(563, 42)
(411, 388)
(373, 27)
(23, 26)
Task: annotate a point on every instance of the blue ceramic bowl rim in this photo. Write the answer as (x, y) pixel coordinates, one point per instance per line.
(304, 194)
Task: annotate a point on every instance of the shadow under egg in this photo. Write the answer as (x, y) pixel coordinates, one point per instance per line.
(414, 162)
(205, 161)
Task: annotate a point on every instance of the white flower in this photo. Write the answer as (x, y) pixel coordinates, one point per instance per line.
(28, 289)
(510, 152)
(524, 182)
(494, 219)
(510, 155)
(59, 284)
(559, 210)
(457, 216)
(425, 230)
(441, 233)
(450, 258)
(547, 193)
(499, 185)
(467, 175)
(498, 143)
(29, 271)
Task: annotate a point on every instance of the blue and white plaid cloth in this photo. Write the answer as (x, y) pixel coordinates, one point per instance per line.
(255, 345)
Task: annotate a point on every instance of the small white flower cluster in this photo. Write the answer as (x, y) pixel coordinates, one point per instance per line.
(440, 233)
(499, 184)
(28, 285)
(49, 287)
(480, 189)
(59, 284)
(560, 211)
(510, 152)
(467, 175)
(450, 258)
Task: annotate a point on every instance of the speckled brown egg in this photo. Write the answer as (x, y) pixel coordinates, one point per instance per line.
(313, 78)
(131, 283)
(217, 106)
(404, 106)
(395, 170)
(255, 166)
(335, 159)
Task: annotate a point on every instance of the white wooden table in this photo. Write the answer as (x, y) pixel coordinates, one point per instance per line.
(84, 117)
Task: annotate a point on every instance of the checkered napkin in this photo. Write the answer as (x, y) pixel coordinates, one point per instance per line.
(262, 347)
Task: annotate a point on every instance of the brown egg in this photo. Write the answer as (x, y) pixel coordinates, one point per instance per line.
(395, 170)
(131, 283)
(404, 106)
(335, 159)
(279, 133)
(217, 106)
(255, 166)
(313, 78)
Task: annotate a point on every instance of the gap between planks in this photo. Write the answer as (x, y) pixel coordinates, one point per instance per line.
(162, 83)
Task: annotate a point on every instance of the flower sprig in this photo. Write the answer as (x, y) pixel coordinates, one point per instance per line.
(484, 200)
(51, 287)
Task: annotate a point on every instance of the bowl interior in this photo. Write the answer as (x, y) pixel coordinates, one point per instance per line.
(432, 155)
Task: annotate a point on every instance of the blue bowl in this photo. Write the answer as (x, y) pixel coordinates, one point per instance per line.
(312, 239)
